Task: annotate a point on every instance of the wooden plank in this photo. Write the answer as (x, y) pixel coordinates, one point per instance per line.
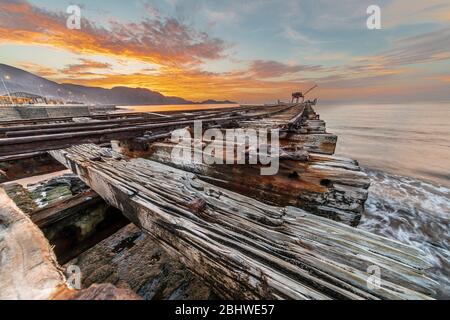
(9, 146)
(27, 165)
(102, 125)
(69, 124)
(24, 124)
(244, 248)
(324, 143)
(316, 184)
(75, 224)
(69, 119)
(28, 266)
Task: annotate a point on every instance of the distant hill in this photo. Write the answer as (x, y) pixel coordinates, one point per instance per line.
(217, 102)
(19, 80)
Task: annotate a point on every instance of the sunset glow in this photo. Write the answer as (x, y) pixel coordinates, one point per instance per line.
(253, 51)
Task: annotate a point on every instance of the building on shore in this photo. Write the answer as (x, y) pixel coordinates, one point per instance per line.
(24, 98)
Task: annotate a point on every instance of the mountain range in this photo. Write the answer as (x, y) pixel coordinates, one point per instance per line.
(18, 80)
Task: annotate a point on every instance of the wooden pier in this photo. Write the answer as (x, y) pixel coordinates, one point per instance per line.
(242, 247)
(291, 235)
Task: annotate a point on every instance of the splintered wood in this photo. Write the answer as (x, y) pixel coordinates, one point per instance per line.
(28, 266)
(242, 247)
(333, 187)
(308, 176)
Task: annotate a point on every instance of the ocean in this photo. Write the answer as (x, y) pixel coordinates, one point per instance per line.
(405, 150)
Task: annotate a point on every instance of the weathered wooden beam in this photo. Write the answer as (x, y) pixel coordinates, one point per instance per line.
(27, 165)
(108, 116)
(114, 119)
(278, 119)
(329, 186)
(28, 267)
(75, 224)
(244, 248)
(62, 129)
(324, 143)
(9, 146)
(69, 124)
(298, 117)
(100, 125)
(24, 131)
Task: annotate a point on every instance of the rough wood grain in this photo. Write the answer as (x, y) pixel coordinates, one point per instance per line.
(316, 183)
(324, 143)
(27, 165)
(244, 248)
(44, 142)
(77, 223)
(28, 267)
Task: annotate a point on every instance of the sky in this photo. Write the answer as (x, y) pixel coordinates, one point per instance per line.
(250, 51)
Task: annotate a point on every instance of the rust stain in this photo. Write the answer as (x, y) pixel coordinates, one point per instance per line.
(197, 205)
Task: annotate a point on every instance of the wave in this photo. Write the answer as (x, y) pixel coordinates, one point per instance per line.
(413, 212)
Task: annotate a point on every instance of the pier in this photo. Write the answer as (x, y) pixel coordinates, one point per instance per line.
(292, 235)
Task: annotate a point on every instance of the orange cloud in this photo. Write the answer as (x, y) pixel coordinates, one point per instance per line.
(163, 41)
(85, 66)
(197, 85)
(441, 78)
(445, 16)
(177, 50)
(42, 71)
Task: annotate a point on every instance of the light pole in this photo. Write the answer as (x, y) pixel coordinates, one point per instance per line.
(4, 85)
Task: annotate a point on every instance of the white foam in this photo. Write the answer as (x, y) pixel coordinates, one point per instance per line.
(413, 212)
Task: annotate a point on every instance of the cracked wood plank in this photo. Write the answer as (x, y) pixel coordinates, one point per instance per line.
(329, 186)
(244, 248)
(28, 266)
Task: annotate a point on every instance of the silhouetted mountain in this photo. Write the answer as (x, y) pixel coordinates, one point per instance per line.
(210, 101)
(19, 80)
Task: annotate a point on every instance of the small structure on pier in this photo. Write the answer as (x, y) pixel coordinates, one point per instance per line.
(300, 95)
